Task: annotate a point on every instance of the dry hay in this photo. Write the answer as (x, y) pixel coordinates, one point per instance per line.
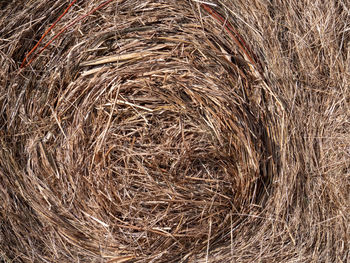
(144, 134)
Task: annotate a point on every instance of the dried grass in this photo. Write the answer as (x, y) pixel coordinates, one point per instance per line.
(143, 133)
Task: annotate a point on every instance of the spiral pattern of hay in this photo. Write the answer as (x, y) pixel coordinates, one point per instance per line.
(144, 134)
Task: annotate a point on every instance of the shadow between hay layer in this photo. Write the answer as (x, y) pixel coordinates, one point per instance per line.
(144, 134)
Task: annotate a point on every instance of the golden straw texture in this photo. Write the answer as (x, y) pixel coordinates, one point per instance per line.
(175, 131)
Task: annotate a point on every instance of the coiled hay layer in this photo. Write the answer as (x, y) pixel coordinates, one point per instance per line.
(148, 133)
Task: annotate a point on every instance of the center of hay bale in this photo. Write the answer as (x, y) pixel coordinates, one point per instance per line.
(162, 158)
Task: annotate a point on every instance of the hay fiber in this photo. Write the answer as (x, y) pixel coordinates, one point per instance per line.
(175, 131)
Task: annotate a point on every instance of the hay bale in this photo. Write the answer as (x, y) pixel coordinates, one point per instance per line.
(147, 133)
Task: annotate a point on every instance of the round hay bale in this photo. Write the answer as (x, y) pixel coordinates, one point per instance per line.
(174, 131)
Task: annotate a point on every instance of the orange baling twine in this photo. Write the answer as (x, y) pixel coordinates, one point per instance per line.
(227, 25)
(24, 64)
(235, 36)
